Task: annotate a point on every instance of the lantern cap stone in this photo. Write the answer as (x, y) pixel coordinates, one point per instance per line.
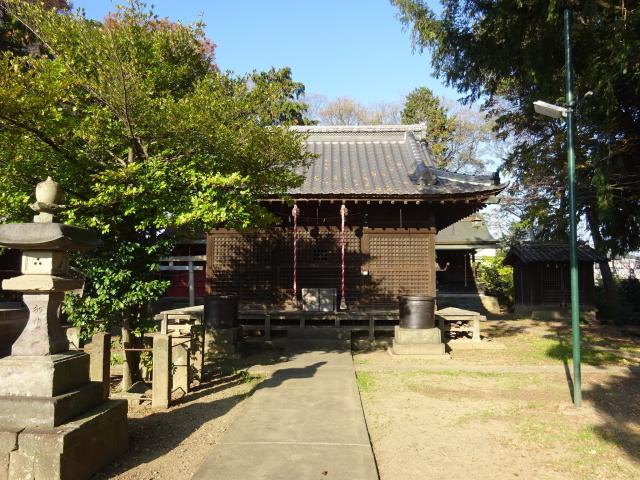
(47, 236)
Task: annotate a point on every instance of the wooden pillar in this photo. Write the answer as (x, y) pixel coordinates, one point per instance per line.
(208, 272)
(431, 261)
(192, 286)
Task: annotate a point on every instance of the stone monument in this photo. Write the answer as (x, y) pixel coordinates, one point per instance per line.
(54, 422)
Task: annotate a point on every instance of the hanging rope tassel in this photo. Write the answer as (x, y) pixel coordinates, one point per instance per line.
(343, 216)
(294, 212)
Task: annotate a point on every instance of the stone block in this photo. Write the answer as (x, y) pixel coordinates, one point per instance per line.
(221, 343)
(417, 335)
(181, 372)
(75, 450)
(161, 385)
(8, 443)
(100, 361)
(418, 348)
(42, 283)
(18, 411)
(43, 376)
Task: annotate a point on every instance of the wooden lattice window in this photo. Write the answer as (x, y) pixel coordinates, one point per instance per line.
(400, 264)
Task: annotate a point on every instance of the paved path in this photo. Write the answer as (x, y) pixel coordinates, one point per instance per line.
(304, 422)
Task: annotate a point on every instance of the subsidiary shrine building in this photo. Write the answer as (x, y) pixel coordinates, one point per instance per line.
(361, 229)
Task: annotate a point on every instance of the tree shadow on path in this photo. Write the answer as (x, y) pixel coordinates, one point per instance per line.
(157, 434)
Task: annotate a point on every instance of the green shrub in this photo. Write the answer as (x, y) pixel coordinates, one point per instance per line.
(496, 278)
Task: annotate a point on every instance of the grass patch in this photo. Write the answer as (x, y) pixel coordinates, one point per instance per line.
(365, 382)
(251, 379)
(245, 376)
(556, 348)
(592, 440)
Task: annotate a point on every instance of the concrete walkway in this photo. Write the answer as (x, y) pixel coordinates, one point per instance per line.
(303, 422)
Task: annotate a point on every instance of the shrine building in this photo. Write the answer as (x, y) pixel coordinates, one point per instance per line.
(360, 230)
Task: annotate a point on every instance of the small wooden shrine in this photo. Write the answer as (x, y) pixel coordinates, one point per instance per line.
(541, 274)
(362, 225)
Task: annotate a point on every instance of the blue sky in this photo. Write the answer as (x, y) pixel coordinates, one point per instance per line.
(351, 47)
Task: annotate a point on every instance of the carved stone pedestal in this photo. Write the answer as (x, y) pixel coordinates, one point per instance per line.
(418, 341)
(42, 335)
(54, 422)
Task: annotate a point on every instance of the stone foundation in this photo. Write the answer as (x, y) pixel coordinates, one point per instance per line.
(54, 422)
(418, 341)
(75, 450)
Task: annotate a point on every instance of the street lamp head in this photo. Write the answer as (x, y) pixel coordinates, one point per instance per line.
(549, 109)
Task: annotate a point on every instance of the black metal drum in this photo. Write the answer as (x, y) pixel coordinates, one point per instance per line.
(221, 311)
(417, 311)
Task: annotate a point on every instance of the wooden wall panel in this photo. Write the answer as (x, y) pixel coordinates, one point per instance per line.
(379, 264)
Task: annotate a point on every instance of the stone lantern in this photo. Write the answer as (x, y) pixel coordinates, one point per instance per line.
(49, 410)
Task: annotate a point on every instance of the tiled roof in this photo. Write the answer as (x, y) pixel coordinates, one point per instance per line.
(379, 161)
(468, 231)
(549, 252)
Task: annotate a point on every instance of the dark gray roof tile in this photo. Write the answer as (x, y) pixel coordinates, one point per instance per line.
(379, 160)
(549, 252)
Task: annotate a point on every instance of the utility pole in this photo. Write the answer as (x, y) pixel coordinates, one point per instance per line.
(573, 234)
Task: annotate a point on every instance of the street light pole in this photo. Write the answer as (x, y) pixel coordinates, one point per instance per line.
(573, 247)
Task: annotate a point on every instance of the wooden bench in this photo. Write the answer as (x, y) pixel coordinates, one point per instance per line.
(453, 319)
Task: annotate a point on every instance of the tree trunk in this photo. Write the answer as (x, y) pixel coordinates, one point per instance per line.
(612, 299)
(131, 360)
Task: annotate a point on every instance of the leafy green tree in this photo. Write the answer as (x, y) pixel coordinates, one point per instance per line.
(14, 37)
(458, 137)
(422, 106)
(284, 104)
(510, 53)
(496, 277)
(146, 136)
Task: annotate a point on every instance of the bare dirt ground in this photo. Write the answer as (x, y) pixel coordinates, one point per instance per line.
(172, 444)
(500, 412)
(507, 412)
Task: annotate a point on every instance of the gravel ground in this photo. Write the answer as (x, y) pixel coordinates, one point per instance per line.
(172, 444)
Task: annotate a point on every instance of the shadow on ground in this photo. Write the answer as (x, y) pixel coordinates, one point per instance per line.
(503, 328)
(156, 434)
(282, 375)
(618, 401)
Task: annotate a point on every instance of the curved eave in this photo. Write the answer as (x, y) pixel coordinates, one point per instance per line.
(432, 197)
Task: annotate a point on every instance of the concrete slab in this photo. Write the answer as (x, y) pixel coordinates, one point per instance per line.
(305, 421)
(289, 462)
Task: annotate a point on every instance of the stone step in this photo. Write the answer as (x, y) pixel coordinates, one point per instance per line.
(23, 411)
